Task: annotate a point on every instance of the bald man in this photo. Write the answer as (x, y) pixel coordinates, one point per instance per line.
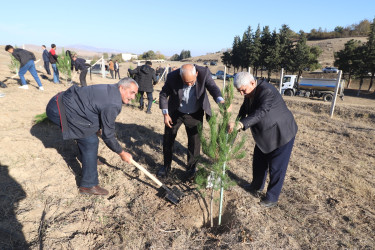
(184, 100)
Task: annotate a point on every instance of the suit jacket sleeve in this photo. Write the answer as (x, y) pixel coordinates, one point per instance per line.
(154, 77)
(265, 100)
(211, 86)
(165, 93)
(108, 117)
(133, 71)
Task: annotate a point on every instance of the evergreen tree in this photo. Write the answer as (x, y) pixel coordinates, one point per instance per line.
(286, 47)
(219, 147)
(266, 41)
(184, 54)
(344, 58)
(301, 55)
(226, 59)
(175, 57)
(257, 50)
(63, 64)
(371, 53)
(236, 53)
(274, 59)
(247, 49)
(360, 64)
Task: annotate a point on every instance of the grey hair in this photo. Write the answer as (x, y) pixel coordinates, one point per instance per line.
(242, 78)
(193, 71)
(126, 82)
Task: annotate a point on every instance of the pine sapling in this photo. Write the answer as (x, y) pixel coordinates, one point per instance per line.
(64, 65)
(220, 148)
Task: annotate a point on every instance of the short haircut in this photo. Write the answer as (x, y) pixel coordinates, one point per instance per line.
(192, 69)
(242, 78)
(148, 63)
(8, 47)
(126, 82)
(44, 46)
(53, 45)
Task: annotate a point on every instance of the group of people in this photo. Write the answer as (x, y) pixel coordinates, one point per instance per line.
(83, 113)
(114, 67)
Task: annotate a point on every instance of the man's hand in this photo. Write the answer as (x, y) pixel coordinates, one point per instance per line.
(168, 120)
(126, 156)
(231, 126)
(229, 109)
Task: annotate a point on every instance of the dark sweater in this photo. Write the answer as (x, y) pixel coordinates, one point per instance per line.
(23, 56)
(85, 110)
(80, 64)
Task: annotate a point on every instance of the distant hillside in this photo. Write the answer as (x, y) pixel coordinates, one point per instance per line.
(328, 46)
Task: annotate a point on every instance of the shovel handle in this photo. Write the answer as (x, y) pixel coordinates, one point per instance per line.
(147, 173)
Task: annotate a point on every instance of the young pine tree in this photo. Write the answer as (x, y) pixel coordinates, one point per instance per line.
(64, 65)
(220, 148)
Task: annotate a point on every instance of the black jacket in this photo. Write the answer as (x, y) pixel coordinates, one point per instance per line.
(80, 64)
(172, 91)
(23, 56)
(145, 77)
(52, 58)
(85, 110)
(45, 56)
(271, 122)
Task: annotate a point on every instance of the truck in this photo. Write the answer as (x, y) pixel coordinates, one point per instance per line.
(311, 87)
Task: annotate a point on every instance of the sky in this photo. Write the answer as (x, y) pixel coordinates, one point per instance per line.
(200, 26)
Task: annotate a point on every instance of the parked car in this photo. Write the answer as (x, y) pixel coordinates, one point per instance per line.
(97, 69)
(213, 76)
(205, 63)
(330, 70)
(213, 63)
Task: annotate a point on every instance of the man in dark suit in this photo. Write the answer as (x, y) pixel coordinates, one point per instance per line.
(46, 59)
(273, 128)
(184, 100)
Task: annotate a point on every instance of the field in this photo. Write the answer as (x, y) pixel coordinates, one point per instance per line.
(327, 200)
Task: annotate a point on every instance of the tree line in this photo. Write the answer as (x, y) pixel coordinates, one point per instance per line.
(357, 59)
(271, 51)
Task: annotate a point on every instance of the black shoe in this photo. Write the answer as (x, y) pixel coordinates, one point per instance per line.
(148, 112)
(163, 172)
(253, 191)
(267, 203)
(141, 107)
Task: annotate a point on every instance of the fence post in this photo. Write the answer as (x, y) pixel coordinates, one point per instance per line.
(338, 83)
(281, 79)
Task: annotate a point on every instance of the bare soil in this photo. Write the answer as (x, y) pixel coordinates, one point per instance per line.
(327, 200)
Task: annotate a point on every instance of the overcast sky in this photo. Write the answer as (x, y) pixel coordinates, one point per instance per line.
(166, 26)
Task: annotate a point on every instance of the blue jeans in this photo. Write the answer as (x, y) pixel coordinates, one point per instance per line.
(29, 66)
(55, 73)
(88, 148)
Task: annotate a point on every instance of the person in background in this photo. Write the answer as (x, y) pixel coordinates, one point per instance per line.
(184, 100)
(82, 114)
(274, 130)
(117, 69)
(46, 59)
(53, 61)
(146, 79)
(80, 64)
(111, 67)
(26, 59)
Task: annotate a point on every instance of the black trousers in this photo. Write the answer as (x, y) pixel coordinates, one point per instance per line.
(276, 162)
(149, 98)
(117, 72)
(191, 122)
(46, 67)
(82, 77)
(111, 71)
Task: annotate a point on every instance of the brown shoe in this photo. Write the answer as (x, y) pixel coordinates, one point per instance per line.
(95, 190)
(99, 162)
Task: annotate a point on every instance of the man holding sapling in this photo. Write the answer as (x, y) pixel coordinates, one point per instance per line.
(184, 100)
(273, 128)
(82, 113)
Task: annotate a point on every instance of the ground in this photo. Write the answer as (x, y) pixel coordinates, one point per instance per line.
(327, 199)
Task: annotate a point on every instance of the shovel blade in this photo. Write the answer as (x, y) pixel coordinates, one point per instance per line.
(173, 195)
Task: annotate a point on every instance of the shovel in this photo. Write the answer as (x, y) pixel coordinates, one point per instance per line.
(173, 195)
